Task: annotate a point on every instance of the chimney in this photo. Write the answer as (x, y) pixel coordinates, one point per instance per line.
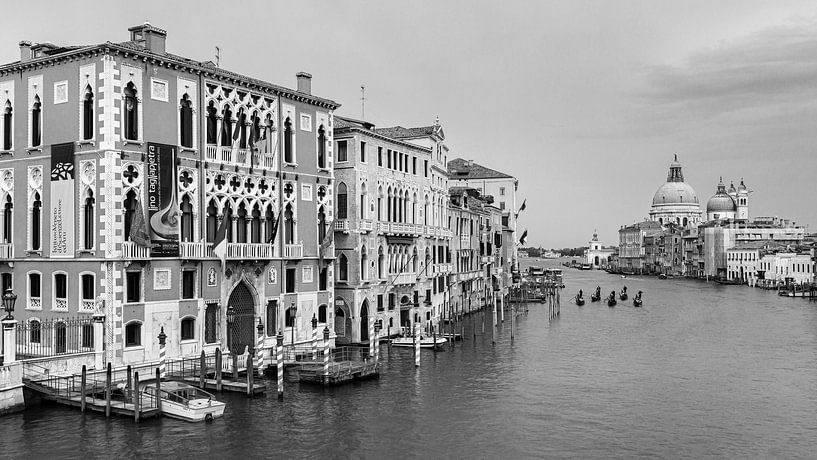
(151, 38)
(304, 82)
(25, 51)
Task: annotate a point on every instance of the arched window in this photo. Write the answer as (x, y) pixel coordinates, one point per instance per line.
(188, 328)
(8, 133)
(321, 225)
(212, 124)
(87, 286)
(88, 221)
(228, 214)
(381, 263)
(288, 156)
(130, 209)
(36, 222)
(255, 225)
(289, 225)
(321, 147)
(34, 335)
(242, 129)
(212, 221)
(8, 219)
(364, 263)
(133, 334)
(380, 203)
(187, 218)
(341, 197)
(36, 122)
(343, 268)
(34, 291)
(227, 127)
(88, 114)
(131, 126)
(241, 224)
(186, 122)
(322, 314)
(269, 225)
(685, 221)
(363, 201)
(414, 261)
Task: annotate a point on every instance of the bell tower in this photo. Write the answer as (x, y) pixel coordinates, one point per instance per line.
(742, 200)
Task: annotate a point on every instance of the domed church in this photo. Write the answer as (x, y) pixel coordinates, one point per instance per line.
(676, 201)
(733, 204)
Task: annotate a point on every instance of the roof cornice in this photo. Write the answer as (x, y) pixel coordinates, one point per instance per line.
(372, 134)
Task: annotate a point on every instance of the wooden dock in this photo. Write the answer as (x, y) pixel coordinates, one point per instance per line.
(339, 372)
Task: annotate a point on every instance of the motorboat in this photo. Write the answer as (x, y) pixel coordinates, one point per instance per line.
(425, 341)
(185, 402)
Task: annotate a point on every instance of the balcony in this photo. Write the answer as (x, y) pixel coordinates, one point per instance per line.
(342, 225)
(133, 251)
(293, 251)
(365, 226)
(6, 251)
(403, 278)
(254, 251)
(240, 157)
(383, 227)
(195, 250)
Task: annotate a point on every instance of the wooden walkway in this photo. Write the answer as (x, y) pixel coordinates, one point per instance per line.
(339, 372)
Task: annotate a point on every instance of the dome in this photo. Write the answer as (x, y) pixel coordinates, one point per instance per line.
(721, 202)
(742, 186)
(675, 193)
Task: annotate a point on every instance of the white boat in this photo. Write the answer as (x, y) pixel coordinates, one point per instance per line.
(185, 402)
(425, 342)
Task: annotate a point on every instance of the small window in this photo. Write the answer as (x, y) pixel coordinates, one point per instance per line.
(342, 153)
(379, 302)
(6, 282)
(134, 286)
(425, 166)
(87, 282)
(188, 284)
(501, 191)
(362, 152)
(322, 314)
(380, 156)
(414, 165)
(133, 334)
(290, 280)
(188, 328)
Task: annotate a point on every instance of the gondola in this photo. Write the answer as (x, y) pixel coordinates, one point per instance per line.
(637, 300)
(662, 276)
(623, 295)
(579, 301)
(611, 299)
(596, 296)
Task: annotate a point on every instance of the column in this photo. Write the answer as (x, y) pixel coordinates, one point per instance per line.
(99, 337)
(9, 340)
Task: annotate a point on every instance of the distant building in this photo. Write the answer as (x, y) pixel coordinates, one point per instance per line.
(675, 201)
(633, 240)
(596, 254)
(786, 268)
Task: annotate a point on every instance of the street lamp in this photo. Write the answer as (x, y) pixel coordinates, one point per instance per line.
(9, 299)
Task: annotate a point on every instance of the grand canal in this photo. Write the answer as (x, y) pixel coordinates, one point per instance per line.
(701, 370)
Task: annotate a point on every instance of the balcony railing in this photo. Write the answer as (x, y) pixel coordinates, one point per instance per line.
(365, 226)
(342, 225)
(87, 305)
(293, 251)
(133, 251)
(35, 303)
(250, 251)
(6, 251)
(241, 157)
(195, 250)
(403, 278)
(383, 227)
(61, 304)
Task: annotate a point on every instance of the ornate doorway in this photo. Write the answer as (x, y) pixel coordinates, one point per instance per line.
(241, 333)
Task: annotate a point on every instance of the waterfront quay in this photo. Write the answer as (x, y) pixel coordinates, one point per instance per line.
(701, 370)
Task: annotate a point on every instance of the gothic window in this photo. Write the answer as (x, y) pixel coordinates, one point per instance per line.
(212, 221)
(8, 134)
(381, 263)
(341, 198)
(289, 225)
(186, 122)
(343, 268)
(227, 128)
(380, 203)
(288, 155)
(272, 317)
(131, 113)
(321, 147)
(242, 129)
(210, 317)
(36, 222)
(241, 224)
(321, 225)
(269, 225)
(88, 221)
(187, 218)
(36, 122)
(363, 201)
(130, 209)
(322, 314)
(228, 214)
(8, 219)
(88, 114)
(364, 263)
(255, 225)
(212, 124)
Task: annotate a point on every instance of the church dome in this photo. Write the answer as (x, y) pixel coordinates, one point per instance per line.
(721, 202)
(674, 193)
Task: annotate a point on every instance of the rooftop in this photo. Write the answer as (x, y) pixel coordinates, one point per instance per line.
(467, 169)
(399, 132)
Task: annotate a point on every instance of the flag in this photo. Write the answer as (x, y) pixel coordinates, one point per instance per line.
(139, 227)
(522, 208)
(220, 242)
(327, 241)
(274, 229)
(524, 236)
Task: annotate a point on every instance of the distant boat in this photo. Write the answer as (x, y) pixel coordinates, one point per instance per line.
(595, 297)
(611, 300)
(637, 300)
(579, 301)
(662, 276)
(425, 342)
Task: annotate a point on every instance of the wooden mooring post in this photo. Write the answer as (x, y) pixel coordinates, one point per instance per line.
(83, 389)
(136, 399)
(158, 389)
(128, 387)
(218, 369)
(250, 377)
(108, 391)
(202, 370)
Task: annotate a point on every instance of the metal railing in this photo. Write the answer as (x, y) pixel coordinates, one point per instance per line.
(36, 339)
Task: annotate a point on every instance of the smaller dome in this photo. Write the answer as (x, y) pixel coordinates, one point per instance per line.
(732, 189)
(742, 186)
(721, 202)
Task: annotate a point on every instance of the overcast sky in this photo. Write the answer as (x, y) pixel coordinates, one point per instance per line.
(585, 102)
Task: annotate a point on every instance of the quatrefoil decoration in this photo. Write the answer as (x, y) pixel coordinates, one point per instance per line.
(288, 190)
(131, 175)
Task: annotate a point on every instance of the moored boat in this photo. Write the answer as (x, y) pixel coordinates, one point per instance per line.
(662, 276)
(425, 342)
(185, 402)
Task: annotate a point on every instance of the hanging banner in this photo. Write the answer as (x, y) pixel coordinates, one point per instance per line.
(61, 207)
(162, 200)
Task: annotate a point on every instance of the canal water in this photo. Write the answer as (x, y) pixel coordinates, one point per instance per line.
(702, 370)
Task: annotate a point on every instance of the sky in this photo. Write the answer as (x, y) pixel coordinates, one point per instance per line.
(585, 102)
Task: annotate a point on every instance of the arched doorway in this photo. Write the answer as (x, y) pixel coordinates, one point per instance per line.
(596, 261)
(364, 321)
(241, 333)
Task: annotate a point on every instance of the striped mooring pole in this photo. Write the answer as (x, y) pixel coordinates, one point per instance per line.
(259, 348)
(372, 338)
(279, 359)
(326, 352)
(416, 346)
(378, 326)
(162, 356)
(314, 338)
